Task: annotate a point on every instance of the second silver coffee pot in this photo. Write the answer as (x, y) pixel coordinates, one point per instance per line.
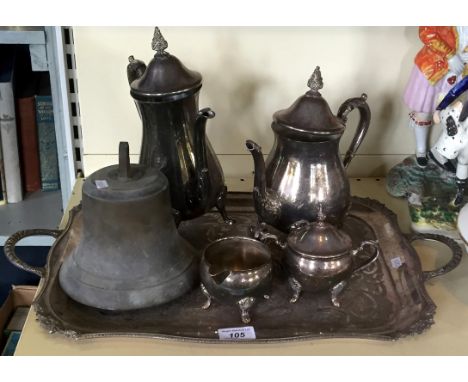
(174, 139)
(304, 170)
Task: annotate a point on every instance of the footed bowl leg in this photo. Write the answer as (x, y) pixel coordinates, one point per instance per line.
(336, 291)
(296, 287)
(207, 304)
(244, 305)
(221, 206)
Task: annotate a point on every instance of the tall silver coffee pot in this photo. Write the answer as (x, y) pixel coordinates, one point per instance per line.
(174, 140)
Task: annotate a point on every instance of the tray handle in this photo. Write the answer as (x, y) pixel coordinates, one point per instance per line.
(10, 244)
(457, 253)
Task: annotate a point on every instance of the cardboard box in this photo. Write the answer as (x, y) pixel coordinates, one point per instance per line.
(20, 295)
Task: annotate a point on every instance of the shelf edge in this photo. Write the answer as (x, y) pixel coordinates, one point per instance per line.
(35, 241)
(22, 37)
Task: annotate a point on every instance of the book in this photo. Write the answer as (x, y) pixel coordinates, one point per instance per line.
(3, 197)
(29, 146)
(17, 320)
(12, 342)
(11, 161)
(48, 158)
(26, 87)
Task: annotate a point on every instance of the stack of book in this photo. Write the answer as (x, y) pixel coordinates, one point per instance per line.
(13, 330)
(28, 147)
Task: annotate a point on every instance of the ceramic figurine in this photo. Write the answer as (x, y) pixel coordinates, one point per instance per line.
(453, 141)
(428, 180)
(439, 65)
(462, 225)
(430, 192)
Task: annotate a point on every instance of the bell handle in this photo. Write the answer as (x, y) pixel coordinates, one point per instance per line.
(457, 253)
(372, 243)
(11, 242)
(124, 161)
(364, 120)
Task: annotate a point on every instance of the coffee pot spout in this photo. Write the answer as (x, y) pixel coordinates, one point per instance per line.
(259, 165)
(201, 162)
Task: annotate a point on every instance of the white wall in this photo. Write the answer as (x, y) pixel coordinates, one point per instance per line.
(249, 73)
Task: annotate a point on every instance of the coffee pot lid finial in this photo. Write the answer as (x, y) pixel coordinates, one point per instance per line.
(159, 43)
(315, 82)
(321, 216)
(309, 118)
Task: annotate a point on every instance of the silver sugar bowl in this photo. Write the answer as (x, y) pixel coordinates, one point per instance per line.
(319, 257)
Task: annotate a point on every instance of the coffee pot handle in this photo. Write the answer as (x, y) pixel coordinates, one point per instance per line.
(364, 121)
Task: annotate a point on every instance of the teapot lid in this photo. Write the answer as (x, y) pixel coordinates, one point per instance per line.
(310, 116)
(319, 239)
(125, 181)
(165, 78)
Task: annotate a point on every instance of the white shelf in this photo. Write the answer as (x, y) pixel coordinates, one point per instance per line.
(37, 210)
(22, 35)
(44, 209)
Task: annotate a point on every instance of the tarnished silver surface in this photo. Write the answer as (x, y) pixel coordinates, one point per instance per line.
(381, 302)
(236, 270)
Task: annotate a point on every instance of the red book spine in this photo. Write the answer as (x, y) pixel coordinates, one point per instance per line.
(29, 149)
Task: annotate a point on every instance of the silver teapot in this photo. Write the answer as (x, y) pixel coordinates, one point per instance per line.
(304, 169)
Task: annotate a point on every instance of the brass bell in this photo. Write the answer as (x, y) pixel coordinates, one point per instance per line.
(130, 254)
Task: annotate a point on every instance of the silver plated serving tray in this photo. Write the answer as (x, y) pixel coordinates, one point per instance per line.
(385, 301)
